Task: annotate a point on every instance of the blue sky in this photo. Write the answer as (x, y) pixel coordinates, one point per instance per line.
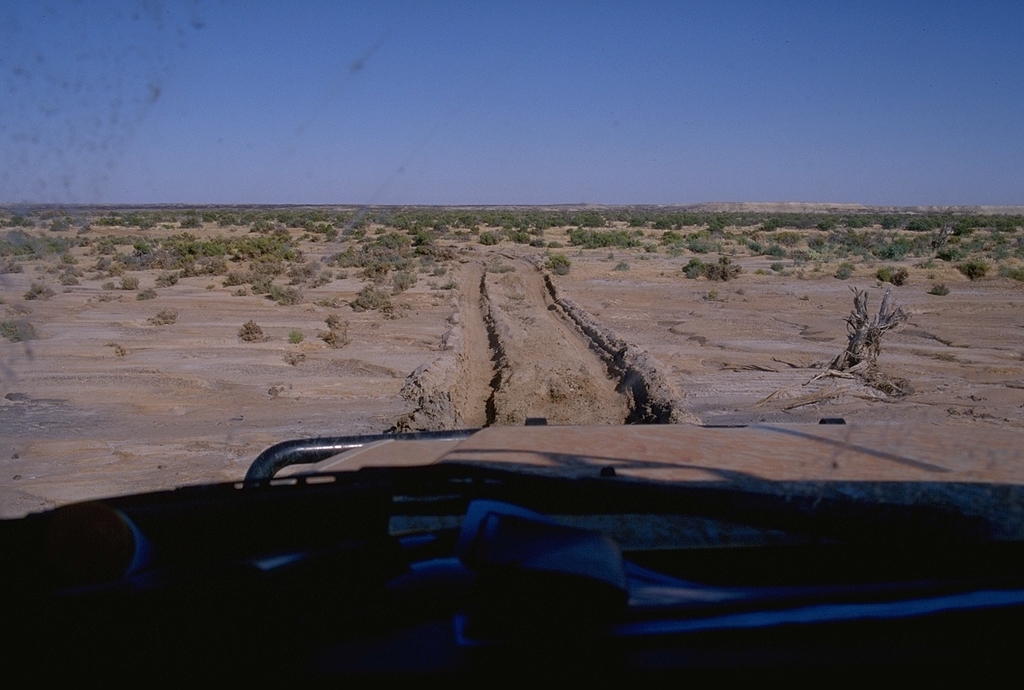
(889, 103)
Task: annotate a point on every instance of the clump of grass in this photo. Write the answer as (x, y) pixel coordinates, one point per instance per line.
(164, 317)
(778, 267)
(295, 337)
(241, 292)
(39, 291)
(889, 274)
(332, 302)
(148, 293)
(939, 289)
(17, 331)
(294, 358)
(621, 266)
(251, 332)
(973, 269)
(129, 282)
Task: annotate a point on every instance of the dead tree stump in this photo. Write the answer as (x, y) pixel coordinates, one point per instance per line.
(859, 358)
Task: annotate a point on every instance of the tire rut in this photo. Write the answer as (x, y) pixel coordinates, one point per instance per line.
(517, 349)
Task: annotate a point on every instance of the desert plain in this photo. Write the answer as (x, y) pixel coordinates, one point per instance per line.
(149, 348)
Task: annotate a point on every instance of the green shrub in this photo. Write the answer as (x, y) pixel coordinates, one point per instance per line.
(844, 271)
(489, 238)
(1014, 273)
(787, 238)
(16, 331)
(402, 281)
(559, 264)
(621, 266)
(950, 253)
(939, 289)
(295, 337)
(973, 269)
(600, 239)
(148, 293)
(694, 269)
(776, 250)
(890, 274)
(282, 294)
(129, 283)
(778, 267)
(372, 299)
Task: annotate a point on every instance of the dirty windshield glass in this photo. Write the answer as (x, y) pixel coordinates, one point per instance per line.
(225, 225)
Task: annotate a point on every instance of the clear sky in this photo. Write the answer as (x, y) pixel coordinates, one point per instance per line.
(217, 101)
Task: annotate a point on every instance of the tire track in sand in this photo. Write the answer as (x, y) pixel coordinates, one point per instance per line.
(543, 367)
(517, 349)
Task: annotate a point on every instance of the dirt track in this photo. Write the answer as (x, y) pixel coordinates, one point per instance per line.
(514, 354)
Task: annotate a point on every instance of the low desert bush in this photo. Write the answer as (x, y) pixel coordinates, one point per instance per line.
(169, 279)
(296, 337)
(1014, 273)
(621, 266)
(371, 298)
(844, 271)
(17, 331)
(402, 281)
(148, 293)
(336, 335)
(39, 291)
(294, 358)
(890, 274)
(724, 270)
(164, 317)
(251, 332)
(559, 264)
(939, 289)
(282, 294)
(973, 269)
(129, 282)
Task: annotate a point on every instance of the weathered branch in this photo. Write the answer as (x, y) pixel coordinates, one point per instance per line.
(865, 333)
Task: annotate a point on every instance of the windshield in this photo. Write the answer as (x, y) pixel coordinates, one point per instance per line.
(223, 226)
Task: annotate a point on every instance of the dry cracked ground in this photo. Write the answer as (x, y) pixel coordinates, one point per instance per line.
(103, 397)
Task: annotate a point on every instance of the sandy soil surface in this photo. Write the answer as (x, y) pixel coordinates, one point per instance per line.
(105, 401)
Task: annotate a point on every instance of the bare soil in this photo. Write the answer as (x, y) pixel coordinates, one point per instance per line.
(105, 402)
